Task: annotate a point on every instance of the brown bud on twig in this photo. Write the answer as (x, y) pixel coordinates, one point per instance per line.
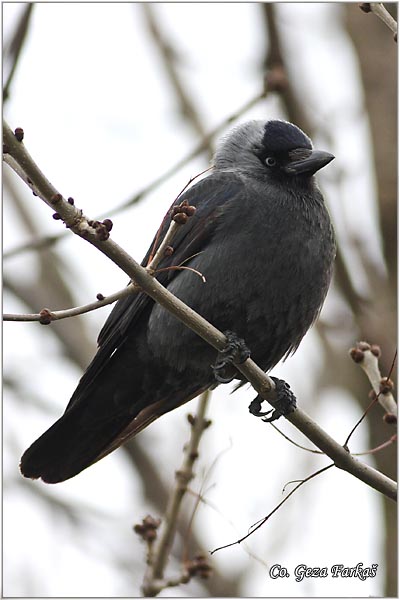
(390, 418)
(56, 217)
(364, 346)
(147, 529)
(184, 207)
(102, 231)
(386, 385)
(190, 210)
(19, 134)
(108, 224)
(357, 355)
(71, 201)
(193, 456)
(180, 218)
(100, 297)
(168, 251)
(45, 317)
(365, 6)
(198, 566)
(376, 350)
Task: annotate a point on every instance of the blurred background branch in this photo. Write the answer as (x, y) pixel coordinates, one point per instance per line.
(13, 49)
(380, 11)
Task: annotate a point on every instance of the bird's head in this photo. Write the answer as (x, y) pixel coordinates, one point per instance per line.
(270, 149)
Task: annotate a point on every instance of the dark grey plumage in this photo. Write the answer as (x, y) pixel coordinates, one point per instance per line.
(262, 237)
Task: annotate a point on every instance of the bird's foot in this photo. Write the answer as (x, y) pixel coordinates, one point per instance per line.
(235, 352)
(285, 402)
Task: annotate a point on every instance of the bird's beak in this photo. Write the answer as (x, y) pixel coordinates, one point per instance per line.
(307, 162)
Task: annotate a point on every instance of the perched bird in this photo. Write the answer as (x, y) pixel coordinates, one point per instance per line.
(262, 238)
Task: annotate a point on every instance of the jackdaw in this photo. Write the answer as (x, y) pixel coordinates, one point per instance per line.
(262, 239)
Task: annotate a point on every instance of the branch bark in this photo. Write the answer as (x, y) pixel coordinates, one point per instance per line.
(380, 11)
(367, 357)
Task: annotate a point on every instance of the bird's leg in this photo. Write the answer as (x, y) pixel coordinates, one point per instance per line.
(285, 402)
(235, 352)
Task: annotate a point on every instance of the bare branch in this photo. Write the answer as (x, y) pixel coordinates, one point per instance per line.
(295, 443)
(380, 11)
(94, 233)
(261, 522)
(154, 580)
(367, 357)
(46, 316)
(377, 449)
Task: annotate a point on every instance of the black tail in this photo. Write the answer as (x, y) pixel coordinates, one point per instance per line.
(105, 403)
(70, 446)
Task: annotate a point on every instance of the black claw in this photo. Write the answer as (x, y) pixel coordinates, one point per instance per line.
(235, 352)
(285, 402)
(255, 407)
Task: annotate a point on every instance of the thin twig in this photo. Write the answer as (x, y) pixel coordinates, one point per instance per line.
(160, 253)
(154, 580)
(183, 268)
(202, 499)
(360, 420)
(56, 315)
(392, 439)
(263, 384)
(382, 446)
(367, 356)
(380, 11)
(295, 443)
(260, 523)
(155, 257)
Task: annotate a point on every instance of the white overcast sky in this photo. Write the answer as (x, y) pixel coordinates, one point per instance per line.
(100, 119)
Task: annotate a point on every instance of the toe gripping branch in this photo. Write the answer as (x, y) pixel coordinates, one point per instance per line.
(285, 402)
(235, 352)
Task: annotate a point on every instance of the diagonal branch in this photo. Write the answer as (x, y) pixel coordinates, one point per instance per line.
(261, 522)
(99, 237)
(380, 11)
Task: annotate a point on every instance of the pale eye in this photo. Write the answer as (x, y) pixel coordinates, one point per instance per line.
(270, 161)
